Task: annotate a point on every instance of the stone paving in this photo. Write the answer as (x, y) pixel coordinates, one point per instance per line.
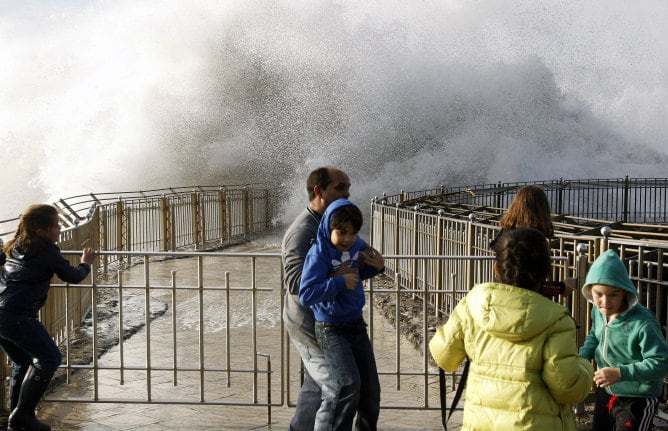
(126, 416)
(133, 413)
(191, 415)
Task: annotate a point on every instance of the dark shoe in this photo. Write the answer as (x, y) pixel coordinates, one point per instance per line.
(33, 387)
(27, 424)
(15, 389)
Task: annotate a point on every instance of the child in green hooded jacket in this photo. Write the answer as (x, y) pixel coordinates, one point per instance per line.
(628, 345)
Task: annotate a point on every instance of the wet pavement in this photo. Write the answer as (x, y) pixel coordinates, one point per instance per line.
(191, 415)
(133, 413)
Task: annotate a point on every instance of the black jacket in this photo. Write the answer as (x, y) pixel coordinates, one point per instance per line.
(27, 278)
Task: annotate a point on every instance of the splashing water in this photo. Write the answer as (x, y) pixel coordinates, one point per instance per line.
(103, 96)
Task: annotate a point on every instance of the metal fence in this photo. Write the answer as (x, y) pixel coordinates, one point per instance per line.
(409, 231)
(441, 283)
(162, 219)
(185, 218)
(205, 336)
(626, 200)
(206, 328)
(195, 218)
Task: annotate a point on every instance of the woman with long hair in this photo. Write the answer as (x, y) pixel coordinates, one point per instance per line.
(30, 261)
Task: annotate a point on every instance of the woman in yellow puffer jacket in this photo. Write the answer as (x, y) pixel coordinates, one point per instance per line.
(525, 370)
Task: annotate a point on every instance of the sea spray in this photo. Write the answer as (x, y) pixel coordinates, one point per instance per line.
(109, 96)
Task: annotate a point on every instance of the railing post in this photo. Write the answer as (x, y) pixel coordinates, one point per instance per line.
(605, 232)
(196, 219)
(414, 248)
(381, 222)
(626, 198)
(95, 229)
(201, 207)
(104, 237)
(269, 371)
(438, 300)
(166, 224)
(267, 210)
(580, 309)
(560, 197)
(396, 240)
(127, 230)
(121, 228)
(580, 306)
(376, 239)
(244, 218)
(469, 251)
(223, 230)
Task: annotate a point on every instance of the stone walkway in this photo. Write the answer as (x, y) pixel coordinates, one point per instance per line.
(126, 416)
(70, 416)
(138, 415)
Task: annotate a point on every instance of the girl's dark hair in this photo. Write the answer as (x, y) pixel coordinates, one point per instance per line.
(26, 239)
(345, 214)
(523, 258)
(530, 208)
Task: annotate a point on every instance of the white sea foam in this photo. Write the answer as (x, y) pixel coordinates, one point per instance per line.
(103, 96)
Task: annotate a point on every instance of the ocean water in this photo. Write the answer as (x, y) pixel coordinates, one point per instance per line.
(111, 96)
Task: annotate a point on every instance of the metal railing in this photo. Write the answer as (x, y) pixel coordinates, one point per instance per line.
(625, 200)
(206, 329)
(185, 218)
(161, 219)
(407, 231)
(433, 259)
(176, 328)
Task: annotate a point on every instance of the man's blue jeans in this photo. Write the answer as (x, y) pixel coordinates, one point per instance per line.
(318, 395)
(27, 342)
(351, 360)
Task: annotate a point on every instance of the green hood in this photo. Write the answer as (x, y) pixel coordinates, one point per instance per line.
(609, 269)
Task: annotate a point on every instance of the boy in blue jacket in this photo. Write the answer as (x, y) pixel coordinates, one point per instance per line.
(629, 348)
(337, 303)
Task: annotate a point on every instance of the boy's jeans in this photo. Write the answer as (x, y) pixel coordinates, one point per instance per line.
(350, 357)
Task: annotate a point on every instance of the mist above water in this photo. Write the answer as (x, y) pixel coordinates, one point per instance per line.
(103, 96)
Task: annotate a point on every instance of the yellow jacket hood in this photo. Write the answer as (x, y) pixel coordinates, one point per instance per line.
(511, 313)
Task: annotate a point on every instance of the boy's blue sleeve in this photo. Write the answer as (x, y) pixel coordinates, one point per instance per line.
(368, 271)
(316, 284)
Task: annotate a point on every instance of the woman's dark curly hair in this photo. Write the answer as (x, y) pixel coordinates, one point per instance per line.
(523, 258)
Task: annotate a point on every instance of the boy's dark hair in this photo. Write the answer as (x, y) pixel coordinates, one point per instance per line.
(523, 258)
(347, 214)
(319, 177)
